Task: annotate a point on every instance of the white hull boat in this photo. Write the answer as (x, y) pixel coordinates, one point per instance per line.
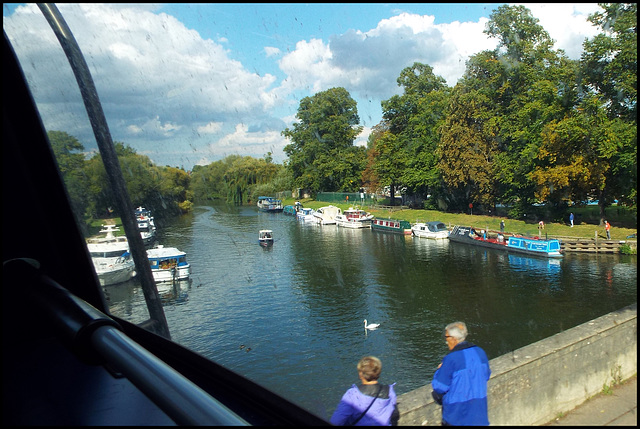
(354, 218)
(434, 230)
(168, 264)
(327, 215)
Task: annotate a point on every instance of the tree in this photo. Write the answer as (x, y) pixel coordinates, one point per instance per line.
(322, 141)
(413, 118)
(609, 66)
(70, 159)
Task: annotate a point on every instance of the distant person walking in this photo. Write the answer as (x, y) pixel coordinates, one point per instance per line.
(607, 228)
(460, 382)
(369, 404)
(502, 226)
(540, 228)
(571, 219)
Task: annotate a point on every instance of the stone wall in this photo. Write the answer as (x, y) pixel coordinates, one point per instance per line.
(532, 385)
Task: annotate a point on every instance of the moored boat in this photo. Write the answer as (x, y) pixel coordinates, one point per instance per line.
(269, 204)
(305, 214)
(168, 264)
(110, 256)
(146, 225)
(532, 246)
(354, 218)
(327, 215)
(391, 225)
(434, 230)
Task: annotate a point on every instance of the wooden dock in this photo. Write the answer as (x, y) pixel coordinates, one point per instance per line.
(590, 245)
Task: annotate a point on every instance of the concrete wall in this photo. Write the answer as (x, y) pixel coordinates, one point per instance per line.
(533, 384)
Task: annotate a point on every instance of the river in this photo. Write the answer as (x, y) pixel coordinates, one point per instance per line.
(291, 316)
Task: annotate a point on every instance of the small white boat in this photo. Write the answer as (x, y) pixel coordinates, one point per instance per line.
(265, 237)
(110, 257)
(146, 225)
(327, 215)
(306, 214)
(434, 230)
(354, 218)
(168, 264)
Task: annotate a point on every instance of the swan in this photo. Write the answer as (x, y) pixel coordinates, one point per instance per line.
(371, 325)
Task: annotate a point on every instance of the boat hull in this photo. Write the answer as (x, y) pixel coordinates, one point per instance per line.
(432, 230)
(114, 273)
(533, 246)
(391, 226)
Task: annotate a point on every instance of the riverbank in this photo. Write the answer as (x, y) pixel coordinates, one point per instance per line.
(491, 223)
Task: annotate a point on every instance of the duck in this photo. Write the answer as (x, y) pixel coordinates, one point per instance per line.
(371, 325)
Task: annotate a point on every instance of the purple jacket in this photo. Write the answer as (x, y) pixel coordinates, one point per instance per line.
(354, 402)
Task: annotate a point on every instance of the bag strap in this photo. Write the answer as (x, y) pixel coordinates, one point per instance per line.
(365, 411)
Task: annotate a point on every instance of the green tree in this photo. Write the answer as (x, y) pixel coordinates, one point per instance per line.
(70, 159)
(609, 66)
(322, 141)
(414, 119)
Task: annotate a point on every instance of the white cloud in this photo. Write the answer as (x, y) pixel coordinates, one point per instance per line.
(210, 128)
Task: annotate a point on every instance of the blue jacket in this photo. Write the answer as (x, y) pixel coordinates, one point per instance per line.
(354, 402)
(462, 383)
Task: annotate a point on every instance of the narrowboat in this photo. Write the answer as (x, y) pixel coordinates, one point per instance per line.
(391, 225)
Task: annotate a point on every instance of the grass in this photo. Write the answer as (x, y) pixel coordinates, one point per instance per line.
(585, 230)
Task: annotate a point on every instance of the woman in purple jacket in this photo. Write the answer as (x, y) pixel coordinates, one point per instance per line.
(369, 404)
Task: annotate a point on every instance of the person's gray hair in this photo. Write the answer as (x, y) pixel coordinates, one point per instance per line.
(457, 330)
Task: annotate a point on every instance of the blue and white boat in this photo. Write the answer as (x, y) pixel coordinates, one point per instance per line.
(269, 204)
(168, 264)
(532, 246)
(549, 248)
(306, 214)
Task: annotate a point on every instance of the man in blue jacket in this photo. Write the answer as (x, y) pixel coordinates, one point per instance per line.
(460, 382)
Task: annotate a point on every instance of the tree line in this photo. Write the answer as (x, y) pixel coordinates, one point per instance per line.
(524, 125)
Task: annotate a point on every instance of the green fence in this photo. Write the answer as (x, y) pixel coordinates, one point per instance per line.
(347, 197)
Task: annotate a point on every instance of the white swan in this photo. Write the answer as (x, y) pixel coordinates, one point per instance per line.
(371, 326)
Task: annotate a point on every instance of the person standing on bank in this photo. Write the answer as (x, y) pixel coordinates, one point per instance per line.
(571, 219)
(460, 382)
(369, 404)
(502, 226)
(607, 227)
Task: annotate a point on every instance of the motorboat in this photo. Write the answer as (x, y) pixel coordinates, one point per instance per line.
(265, 237)
(354, 218)
(327, 215)
(146, 225)
(305, 214)
(391, 225)
(111, 258)
(113, 271)
(269, 204)
(434, 230)
(168, 264)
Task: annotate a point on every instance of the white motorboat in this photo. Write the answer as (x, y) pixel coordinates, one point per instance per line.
(327, 215)
(306, 214)
(434, 230)
(354, 218)
(111, 258)
(146, 225)
(265, 237)
(168, 264)
(112, 271)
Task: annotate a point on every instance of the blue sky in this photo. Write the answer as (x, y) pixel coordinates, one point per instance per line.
(190, 84)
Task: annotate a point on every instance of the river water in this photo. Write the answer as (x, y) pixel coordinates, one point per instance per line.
(291, 316)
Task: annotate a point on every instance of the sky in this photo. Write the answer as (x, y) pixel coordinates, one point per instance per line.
(189, 84)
